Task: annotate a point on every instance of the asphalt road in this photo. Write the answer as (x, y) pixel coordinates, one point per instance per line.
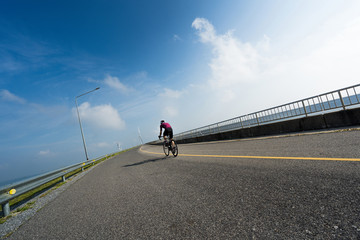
(143, 195)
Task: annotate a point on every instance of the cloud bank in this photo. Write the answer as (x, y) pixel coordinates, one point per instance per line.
(233, 61)
(322, 61)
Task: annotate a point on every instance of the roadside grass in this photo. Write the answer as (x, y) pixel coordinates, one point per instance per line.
(26, 207)
(46, 189)
(3, 219)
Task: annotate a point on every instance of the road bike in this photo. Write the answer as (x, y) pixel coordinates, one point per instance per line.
(168, 147)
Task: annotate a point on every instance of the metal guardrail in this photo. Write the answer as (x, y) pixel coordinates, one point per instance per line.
(341, 99)
(11, 191)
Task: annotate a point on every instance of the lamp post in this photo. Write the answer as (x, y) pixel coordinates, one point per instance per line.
(141, 141)
(82, 133)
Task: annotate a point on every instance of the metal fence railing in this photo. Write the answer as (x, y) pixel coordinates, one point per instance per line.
(11, 191)
(332, 101)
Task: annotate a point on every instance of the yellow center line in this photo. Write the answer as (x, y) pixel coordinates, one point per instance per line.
(262, 157)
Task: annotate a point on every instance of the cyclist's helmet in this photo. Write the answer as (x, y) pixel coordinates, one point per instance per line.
(162, 121)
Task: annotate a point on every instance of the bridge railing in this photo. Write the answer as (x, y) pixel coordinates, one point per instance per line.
(11, 191)
(337, 100)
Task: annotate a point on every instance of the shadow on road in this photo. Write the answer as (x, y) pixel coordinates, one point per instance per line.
(146, 161)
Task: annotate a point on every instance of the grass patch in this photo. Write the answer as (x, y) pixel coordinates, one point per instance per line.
(26, 207)
(59, 185)
(3, 219)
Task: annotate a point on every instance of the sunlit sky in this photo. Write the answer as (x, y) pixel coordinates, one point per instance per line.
(189, 62)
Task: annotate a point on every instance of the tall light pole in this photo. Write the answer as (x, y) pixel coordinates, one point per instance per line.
(82, 133)
(119, 146)
(141, 141)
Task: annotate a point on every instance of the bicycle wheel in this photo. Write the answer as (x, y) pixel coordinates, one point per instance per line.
(174, 149)
(166, 149)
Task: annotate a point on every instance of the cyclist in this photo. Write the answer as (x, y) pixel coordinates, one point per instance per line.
(168, 132)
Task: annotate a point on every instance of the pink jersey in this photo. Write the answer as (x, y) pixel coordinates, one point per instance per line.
(165, 125)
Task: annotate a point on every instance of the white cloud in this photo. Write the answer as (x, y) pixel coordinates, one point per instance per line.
(264, 44)
(44, 152)
(102, 145)
(168, 93)
(177, 38)
(143, 75)
(8, 96)
(233, 61)
(206, 30)
(8, 64)
(338, 57)
(102, 116)
(170, 111)
(114, 82)
(323, 60)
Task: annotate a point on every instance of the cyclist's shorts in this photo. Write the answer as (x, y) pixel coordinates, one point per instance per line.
(168, 132)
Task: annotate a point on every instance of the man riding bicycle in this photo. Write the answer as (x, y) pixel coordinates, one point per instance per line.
(168, 131)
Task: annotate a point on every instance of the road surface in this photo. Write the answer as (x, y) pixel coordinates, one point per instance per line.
(286, 187)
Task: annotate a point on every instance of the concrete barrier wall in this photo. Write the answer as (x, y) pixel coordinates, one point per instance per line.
(343, 118)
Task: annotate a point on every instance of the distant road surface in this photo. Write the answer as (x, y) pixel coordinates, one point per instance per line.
(286, 187)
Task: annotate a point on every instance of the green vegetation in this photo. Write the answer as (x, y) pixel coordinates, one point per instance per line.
(3, 219)
(26, 207)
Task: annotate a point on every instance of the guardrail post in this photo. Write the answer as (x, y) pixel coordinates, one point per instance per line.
(242, 126)
(63, 178)
(257, 119)
(304, 108)
(82, 169)
(321, 103)
(341, 99)
(6, 209)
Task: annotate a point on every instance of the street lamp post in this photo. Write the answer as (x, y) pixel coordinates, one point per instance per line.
(141, 141)
(77, 110)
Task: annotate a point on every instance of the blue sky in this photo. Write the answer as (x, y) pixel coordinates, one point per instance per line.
(189, 62)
